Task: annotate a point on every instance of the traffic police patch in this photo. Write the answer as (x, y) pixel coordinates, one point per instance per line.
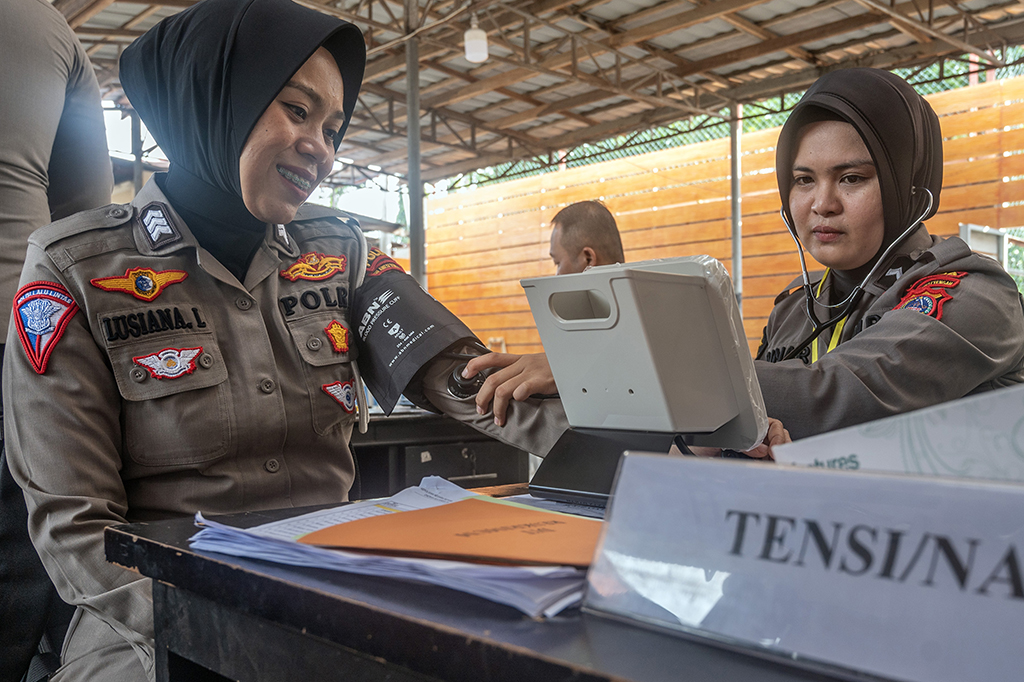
(144, 284)
(314, 267)
(343, 393)
(927, 295)
(338, 336)
(377, 263)
(158, 227)
(42, 311)
(170, 363)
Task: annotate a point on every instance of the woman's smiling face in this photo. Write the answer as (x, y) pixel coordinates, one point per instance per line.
(291, 148)
(835, 199)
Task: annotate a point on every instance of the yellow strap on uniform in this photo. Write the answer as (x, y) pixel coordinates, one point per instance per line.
(837, 331)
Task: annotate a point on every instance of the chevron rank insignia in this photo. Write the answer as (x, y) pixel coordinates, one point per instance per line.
(42, 311)
(927, 295)
(377, 263)
(343, 394)
(144, 284)
(158, 226)
(314, 267)
(338, 336)
(170, 363)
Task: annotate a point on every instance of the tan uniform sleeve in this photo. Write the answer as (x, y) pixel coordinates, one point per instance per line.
(532, 425)
(63, 439)
(908, 360)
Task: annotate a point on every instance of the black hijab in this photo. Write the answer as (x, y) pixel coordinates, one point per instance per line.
(202, 78)
(900, 130)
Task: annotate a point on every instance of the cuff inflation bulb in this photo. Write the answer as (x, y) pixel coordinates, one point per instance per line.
(463, 388)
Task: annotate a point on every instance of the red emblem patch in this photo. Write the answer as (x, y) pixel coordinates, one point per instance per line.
(170, 363)
(343, 393)
(927, 295)
(377, 263)
(42, 311)
(338, 336)
(314, 267)
(144, 284)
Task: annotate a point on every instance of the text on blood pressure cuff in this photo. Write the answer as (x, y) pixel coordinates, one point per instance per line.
(399, 328)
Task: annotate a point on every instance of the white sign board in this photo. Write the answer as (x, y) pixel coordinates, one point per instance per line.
(977, 437)
(908, 578)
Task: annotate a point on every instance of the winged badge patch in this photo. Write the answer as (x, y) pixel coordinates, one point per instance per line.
(343, 393)
(314, 267)
(170, 363)
(42, 311)
(377, 263)
(144, 284)
(927, 295)
(338, 336)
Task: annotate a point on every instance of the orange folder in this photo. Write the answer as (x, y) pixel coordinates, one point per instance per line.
(470, 530)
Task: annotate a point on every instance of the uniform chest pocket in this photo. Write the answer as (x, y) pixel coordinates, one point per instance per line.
(326, 349)
(177, 402)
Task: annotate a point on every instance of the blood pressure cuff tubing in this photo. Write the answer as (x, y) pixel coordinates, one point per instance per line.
(399, 329)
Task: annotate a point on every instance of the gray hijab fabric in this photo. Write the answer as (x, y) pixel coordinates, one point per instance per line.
(899, 128)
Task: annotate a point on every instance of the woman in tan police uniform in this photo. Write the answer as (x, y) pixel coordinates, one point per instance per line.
(901, 319)
(200, 348)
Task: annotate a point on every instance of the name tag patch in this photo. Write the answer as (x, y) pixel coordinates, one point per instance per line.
(338, 336)
(154, 320)
(42, 311)
(170, 363)
(377, 263)
(144, 284)
(928, 294)
(343, 393)
(314, 267)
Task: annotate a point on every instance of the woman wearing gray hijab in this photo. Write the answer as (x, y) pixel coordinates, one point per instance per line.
(900, 319)
(201, 347)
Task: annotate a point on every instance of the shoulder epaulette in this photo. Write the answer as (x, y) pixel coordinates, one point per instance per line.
(950, 250)
(93, 219)
(790, 288)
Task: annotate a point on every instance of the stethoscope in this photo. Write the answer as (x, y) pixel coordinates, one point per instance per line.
(848, 303)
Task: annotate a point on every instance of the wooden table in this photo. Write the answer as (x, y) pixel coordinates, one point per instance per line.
(220, 617)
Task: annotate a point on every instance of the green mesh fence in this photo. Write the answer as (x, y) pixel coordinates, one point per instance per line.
(1015, 258)
(946, 74)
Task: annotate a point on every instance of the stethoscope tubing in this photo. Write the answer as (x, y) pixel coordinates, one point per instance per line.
(847, 304)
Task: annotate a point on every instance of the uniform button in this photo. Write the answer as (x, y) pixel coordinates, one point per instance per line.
(206, 361)
(314, 343)
(137, 374)
(118, 212)
(272, 465)
(267, 385)
(243, 303)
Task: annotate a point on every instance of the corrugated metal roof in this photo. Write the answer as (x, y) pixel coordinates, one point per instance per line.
(595, 69)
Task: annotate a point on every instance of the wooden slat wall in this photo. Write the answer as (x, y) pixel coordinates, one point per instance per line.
(481, 242)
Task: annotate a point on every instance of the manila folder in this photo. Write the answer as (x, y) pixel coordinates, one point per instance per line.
(470, 530)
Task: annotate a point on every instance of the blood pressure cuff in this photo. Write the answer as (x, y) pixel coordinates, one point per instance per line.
(399, 329)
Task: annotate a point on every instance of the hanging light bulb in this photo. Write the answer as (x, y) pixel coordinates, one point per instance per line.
(476, 42)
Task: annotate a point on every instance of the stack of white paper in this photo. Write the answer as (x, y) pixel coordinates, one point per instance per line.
(534, 590)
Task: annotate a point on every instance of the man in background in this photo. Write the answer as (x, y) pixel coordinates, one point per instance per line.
(584, 234)
(53, 163)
